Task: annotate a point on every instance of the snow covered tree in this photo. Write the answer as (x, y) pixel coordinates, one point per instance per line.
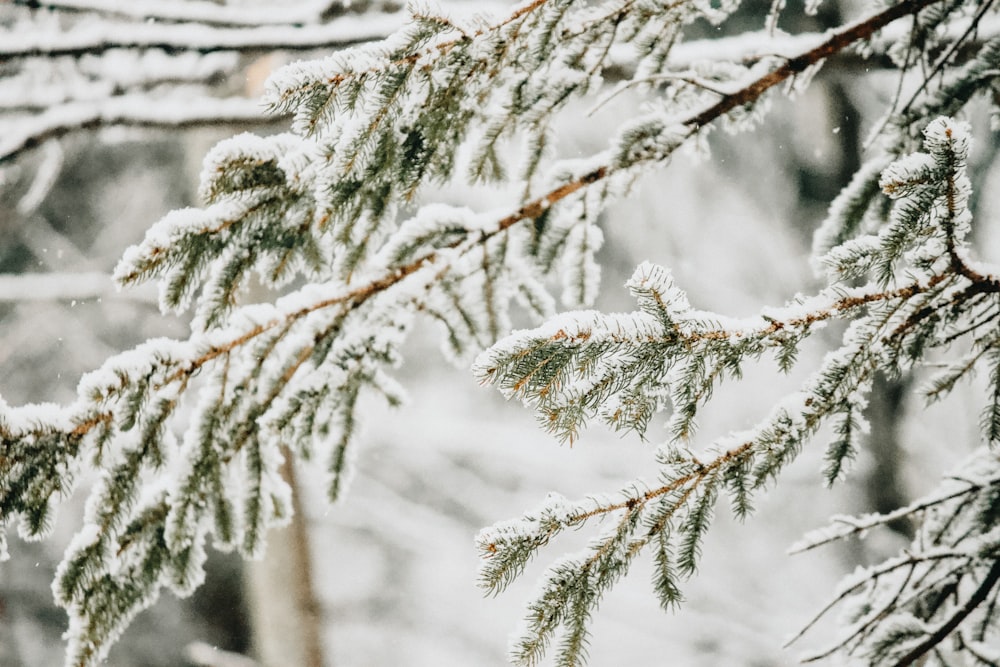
(188, 436)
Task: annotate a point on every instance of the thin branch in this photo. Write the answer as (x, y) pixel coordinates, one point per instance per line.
(836, 43)
(95, 39)
(856, 526)
(872, 575)
(943, 60)
(939, 635)
(744, 96)
(138, 111)
(66, 287)
(195, 11)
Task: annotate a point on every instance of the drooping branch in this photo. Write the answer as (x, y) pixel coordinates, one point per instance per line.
(538, 206)
(746, 95)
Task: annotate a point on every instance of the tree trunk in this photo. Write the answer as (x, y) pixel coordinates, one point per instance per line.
(283, 608)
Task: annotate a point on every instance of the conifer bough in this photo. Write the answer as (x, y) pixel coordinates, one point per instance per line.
(331, 203)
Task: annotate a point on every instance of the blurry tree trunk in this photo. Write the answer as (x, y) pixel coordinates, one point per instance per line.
(284, 612)
(884, 489)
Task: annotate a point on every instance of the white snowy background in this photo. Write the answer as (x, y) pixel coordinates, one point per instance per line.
(395, 562)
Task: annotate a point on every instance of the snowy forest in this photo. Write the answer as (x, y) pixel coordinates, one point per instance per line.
(550, 332)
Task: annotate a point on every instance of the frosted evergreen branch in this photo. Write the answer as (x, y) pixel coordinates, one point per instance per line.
(902, 590)
(926, 584)
(575, 584)
(857, 209)
(837, 42)
(315, 92)
(846, 526)
(242, 407)
(635, 149)
(320, 205)
(950, 52)
(626, 367)
(556, 367)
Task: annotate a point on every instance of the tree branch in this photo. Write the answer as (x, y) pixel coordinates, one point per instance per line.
(939, 635)
(132, 111)
(536, 207)
(855, 526)
(95, 39)
(746, 95)
(66, 287)
(199, 11)
(836, 43)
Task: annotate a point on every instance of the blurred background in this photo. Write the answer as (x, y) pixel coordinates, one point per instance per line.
(106, 110)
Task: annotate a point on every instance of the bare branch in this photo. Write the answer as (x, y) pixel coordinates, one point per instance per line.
(131, 111)
(67, 287)
(93, 39)
(199, 11)
(939, 635)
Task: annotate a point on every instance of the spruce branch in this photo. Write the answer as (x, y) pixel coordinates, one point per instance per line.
(954, 556)
(626, 367)
(373, 126)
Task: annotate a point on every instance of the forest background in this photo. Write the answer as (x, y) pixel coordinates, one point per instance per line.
(96, 144)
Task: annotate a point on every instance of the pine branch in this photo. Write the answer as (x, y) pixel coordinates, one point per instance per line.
(746, 95)
(956, 543)
(372, 126)
(836, 43)
(845, 526)
(630, 365)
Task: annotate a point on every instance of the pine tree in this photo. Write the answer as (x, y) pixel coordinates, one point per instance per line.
(325, 215)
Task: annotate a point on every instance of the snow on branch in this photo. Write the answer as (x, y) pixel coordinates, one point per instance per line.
(899, 610)
(93, 38)
(120, 73)
(63, 287)
(324, 214)
(129, 111)
(194, 11)
(627, 367)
